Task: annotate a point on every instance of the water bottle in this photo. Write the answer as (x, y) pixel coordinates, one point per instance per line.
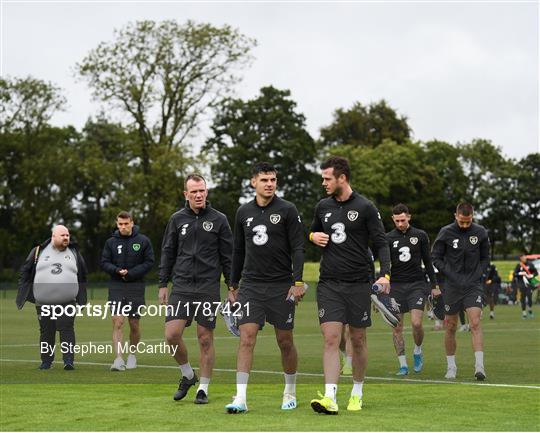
(377, 288)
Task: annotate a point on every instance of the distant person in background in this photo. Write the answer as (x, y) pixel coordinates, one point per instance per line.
(464, 326)
(127, 257)
(524, 276)
(54, 273)
(492, 285)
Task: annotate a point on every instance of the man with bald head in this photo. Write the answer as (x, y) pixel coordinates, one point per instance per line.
(54, 274)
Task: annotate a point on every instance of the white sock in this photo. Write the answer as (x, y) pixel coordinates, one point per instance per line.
(241, 385)
(203, 384)
(417, 350)
(402, 360)
(290, 384)
(357, 389)
(330, 390)
(479, 358)
(187, 371)
(451, 361)
(348, 361)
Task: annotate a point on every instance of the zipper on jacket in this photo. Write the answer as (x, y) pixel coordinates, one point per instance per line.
(195, 249)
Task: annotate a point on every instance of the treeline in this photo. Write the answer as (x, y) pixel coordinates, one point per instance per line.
(164, 78)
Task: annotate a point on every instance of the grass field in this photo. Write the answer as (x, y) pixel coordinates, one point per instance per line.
(93, 398)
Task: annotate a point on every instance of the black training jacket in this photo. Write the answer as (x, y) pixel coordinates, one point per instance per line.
(133, 253)
(407, 252)
(196, 249)
(351, 224)
(461, 256)
(268, 243)
(28, 272)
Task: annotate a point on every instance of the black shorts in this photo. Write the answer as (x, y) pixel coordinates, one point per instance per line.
(266, 302)
(348, 302)
(188, 306)
(491, 290)
(409, 296)
(455, 302)
(127, 306)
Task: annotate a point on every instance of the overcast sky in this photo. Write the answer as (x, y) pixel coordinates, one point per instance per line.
(457, 70)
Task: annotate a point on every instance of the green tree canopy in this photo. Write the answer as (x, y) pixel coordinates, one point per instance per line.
(265, 128)
(390, 174)
(165, 75)
(27, 104)
(366, 126)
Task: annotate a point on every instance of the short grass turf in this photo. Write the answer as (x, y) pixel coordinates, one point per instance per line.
(93, 398)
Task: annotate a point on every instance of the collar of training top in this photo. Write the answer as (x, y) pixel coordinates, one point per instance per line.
(353, 195)
(201, 212)
(275, 198)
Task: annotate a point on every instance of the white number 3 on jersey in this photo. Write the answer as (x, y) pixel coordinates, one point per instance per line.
(405, 255)
(339, 236)
(260, 237)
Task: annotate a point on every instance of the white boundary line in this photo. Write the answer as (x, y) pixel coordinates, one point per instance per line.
(229, 370)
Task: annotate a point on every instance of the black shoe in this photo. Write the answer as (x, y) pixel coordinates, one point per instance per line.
(69, 366)
(45, 365)
(388, 307)
(201, 397)
(184, 386)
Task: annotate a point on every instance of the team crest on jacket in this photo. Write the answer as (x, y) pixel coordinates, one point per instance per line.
(414, 240)
(207, 225)
(275, 218)
(136, 247)
(473, 240)
(352, 215)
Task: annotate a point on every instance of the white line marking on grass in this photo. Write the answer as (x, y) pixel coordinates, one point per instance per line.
(230, 370)
(297, 335)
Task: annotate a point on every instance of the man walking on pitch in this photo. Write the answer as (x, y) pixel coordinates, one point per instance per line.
(343, 224)
(409, 247)
(54, 275)
(269, 258)
(127, 257)
(525, 276)
(461, 254)
(196, 250)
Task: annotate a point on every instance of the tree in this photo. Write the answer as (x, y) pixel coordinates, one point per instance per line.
(165, 77)
(36, 172)
(527, 210)
(266, 128)
(481, 161)
(37, 188)
(445, 159)
(101, 182)
(390, 174)
(27, 104)
(366, 126)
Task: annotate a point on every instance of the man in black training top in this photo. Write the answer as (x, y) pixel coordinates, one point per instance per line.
(196, 249)
(461, 254)
(127, 257)
(269, 258)
(343, 224)
(409, 247)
